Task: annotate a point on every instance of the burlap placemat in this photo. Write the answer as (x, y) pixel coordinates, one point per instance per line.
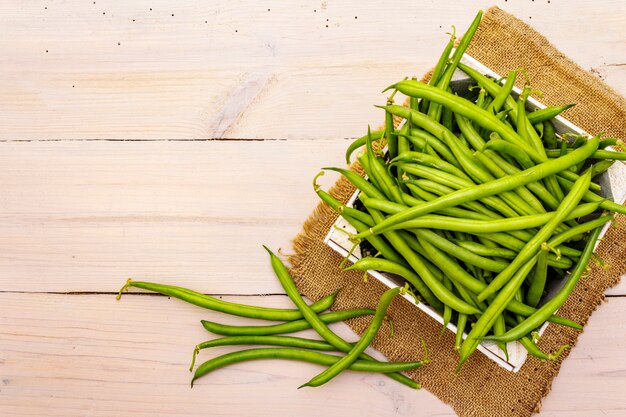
(482, 388)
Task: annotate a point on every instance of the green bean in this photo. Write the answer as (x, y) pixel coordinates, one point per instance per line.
(447, 311)
(431, 141)
(592, 197)
(532, 348)
(359, 182)
(537, 318)
(504, 92)
(315, 321)
(439, 68)
(430, 190)
(510, 149)
(241, 310)
(417, 263)
(360, 346)
(478, 143)
(466, 110)
(298, 355)
(599, 154)
(549, 136)
(463, 155)
(434, 109)
(413, 103)
(384, 265)
(600, 167)
(430, 161)
(361, 224)
(483, 250)
(523, 192)
(530, 249)
(459, 252)
(392, 139)
(547, 113)
(488, 189)
(290, 341)
(360, 142)
(435, 221)
(376, 170)
(283, 328)
(460, 275)
(340, 208)
(458, 184)
(495, 309)
(515, 241)
(538, 280)
(460, 329)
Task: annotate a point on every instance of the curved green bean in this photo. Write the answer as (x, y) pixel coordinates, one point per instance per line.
(283, 328)
(298, 355)
(241, 310)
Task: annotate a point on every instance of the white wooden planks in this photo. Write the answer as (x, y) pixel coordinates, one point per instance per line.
(83, 216)
(298, 70)
(77, 355)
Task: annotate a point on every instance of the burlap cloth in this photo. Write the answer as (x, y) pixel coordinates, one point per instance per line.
(482, 388)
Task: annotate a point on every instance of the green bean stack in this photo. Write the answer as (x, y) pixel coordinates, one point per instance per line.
(478, 203)
(304, 317)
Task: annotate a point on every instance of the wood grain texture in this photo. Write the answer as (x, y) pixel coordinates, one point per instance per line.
(155, 70)
(83, 216)
(90, 355)
(106, 173)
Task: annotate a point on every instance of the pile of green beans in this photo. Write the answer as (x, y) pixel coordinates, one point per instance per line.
(478, 203)
(303, 317)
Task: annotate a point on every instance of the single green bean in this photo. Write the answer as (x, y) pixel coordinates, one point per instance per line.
(430, 161)
(299, 355)
(599, 154)
(547, 113)
(439, 68)
(538, 278)
(283, 328)
(241, 310)
(290, 341)
(460, 329)
(360, 142)
(434, 109)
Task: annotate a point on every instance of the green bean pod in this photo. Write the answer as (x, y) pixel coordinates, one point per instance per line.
(299, 355)
(283, 328)
(547, 113)
(235, 309)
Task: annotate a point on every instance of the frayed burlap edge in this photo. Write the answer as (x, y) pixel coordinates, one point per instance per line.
(482, 388)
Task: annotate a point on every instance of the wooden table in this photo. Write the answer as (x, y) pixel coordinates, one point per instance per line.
(168, 142)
